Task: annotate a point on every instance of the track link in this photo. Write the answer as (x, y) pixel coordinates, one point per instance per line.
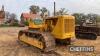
(47, 39)
(86, 35)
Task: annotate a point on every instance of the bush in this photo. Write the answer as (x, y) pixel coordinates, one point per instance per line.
(26, 23)
(15, 24)
(10, 25)
(4, 25)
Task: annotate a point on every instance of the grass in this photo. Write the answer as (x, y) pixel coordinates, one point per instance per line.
(4, 25)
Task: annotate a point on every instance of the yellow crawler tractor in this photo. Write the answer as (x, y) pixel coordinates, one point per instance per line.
(43, 33)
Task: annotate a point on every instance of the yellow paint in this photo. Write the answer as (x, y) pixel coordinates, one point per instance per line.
(32, 41)
(65, 27)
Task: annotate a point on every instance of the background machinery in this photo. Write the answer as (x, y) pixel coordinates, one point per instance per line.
(87, 32)
(44, 33)
(87, 29)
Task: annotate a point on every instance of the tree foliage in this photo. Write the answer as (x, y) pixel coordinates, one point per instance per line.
(81, 18)
(43, 12)
(62, 11)
(12, 19)
(34, 9)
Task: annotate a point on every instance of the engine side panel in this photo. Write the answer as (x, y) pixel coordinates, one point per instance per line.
(65, 27)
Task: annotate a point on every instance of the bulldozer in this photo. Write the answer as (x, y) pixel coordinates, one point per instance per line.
(44, 33)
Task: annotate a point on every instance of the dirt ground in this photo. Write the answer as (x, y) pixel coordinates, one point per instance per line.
(10, 47)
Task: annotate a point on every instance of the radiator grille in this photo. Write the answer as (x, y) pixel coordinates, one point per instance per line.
(68, 25)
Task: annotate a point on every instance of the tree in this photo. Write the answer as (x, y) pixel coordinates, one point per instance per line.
(7, 14)
(44, 12)
(62, 11)
(85, 19)
(13, 19)
(13, 16)
(79, 18)
(34, 9)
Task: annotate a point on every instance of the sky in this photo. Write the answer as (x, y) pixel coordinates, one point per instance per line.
(73, 6)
